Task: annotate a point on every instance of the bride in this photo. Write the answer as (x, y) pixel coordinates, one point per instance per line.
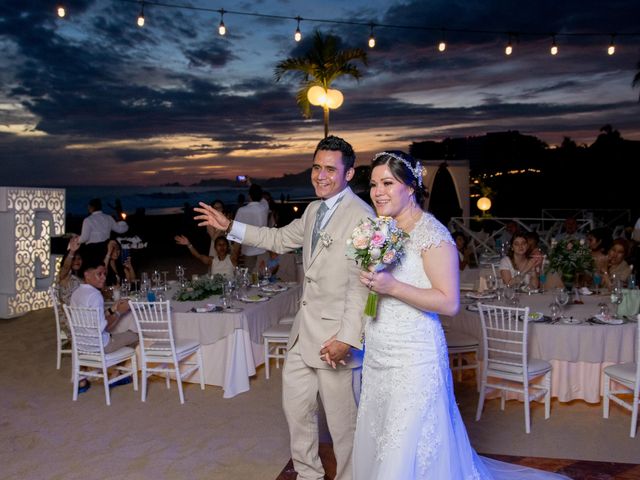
(409, 426)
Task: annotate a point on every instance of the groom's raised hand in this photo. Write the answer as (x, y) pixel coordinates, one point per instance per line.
(211, 216)
(334, 351)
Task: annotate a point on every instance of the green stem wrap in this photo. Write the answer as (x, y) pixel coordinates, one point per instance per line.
(371, 308)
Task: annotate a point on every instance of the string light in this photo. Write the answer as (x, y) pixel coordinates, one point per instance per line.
(141, 16)
(612, 47)
(298, 35)
(509, 48)
(554, 47)
(222, 30)
(442, 46)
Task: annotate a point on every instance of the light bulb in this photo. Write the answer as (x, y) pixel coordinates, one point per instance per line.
(61, 11)
(508, 50)
(372, 41)
(554, 47)
(222, 30)
(442, 46)
(612, 49)
(298, 35)
(141, 20)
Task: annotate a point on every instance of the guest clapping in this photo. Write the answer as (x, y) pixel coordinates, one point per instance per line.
(517, 262)
(116, 269)
(222, 262)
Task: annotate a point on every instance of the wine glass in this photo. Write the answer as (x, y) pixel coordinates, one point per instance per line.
(510, 294)
(562, 298)
(616, 294)
(155, 278)
(125, 288)
(491, 282)
(554, 311)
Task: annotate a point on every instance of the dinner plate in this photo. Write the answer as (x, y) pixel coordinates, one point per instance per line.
(254, 299)
(571, 321)
(609, 320)
(274, 288)
(536, 317)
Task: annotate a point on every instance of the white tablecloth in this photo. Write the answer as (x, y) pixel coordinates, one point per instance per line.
(231, 342)
(578, 353)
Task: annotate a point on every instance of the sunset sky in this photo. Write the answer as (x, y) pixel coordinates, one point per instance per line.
(93, 99)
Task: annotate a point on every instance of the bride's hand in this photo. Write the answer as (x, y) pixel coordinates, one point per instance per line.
(211, 216)
(379, 282)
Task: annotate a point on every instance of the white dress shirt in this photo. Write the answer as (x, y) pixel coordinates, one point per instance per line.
(97, 227)
(88, 296)
(253, 213)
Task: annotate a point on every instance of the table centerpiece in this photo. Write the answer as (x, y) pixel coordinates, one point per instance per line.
(569, 258)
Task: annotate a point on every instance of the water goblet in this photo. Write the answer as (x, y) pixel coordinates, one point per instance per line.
(554, 311)
(125, 288)
(616, 295)
(509, 294)
(603, 309)
(562, 298)
(155, 278)
(491, 282)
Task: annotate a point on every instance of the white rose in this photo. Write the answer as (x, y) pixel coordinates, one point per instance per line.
(374, 253)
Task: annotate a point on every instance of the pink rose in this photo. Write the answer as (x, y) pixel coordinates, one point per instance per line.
(389, 256)
(378, 238)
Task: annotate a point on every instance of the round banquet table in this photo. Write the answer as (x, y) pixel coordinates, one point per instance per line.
(578, 352)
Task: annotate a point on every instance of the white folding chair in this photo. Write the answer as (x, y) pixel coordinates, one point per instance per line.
(275, 344)
(459, 344)
(88, 351)
(159, 347)
(628, 376)
(63, 340)
(508, 368)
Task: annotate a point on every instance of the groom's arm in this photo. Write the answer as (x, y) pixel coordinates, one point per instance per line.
(279, 240)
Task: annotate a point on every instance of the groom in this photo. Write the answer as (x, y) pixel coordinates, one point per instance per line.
(326, 337)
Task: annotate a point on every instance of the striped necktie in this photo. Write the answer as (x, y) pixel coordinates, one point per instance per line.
(318, 225)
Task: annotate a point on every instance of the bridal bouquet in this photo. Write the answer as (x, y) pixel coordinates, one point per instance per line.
(376, 243)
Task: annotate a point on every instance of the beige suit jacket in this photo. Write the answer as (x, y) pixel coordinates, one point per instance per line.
(333, 298)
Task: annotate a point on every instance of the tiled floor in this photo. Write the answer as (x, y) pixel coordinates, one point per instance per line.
(577, 470)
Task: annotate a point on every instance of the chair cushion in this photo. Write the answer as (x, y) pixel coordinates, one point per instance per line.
(277, 331)
(111, 358)
(162, 348)
(625, 372)
(536, 367)
(459, 339)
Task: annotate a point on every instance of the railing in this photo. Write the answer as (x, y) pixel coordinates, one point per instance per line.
(486, 242)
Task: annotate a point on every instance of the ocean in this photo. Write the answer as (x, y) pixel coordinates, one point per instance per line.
(165, 200)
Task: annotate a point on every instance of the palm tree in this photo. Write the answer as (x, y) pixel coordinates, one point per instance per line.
(636, 80)
(321, 65)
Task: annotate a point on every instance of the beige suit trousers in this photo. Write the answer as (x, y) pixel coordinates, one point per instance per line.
(301, 385)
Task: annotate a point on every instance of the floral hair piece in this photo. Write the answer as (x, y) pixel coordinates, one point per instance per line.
(415, 171)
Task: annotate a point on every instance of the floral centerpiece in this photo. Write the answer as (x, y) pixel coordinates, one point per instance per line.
(376, 243)
(202, 288)
(569, 257)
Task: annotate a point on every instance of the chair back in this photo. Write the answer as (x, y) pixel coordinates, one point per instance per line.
(57, 310)
(153, 321)
(504, 340)
(86, 330)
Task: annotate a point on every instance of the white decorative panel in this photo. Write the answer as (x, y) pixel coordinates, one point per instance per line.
(29, 217)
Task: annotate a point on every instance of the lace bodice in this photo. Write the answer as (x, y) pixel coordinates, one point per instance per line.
(427, 233)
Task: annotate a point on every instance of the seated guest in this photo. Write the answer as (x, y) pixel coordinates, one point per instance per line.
(599, 242)
(116, 270)
(616, 263)
(517, 262)
(68, 278)
(533, 242)
(464, 255)
(89, 295)
(222, 262)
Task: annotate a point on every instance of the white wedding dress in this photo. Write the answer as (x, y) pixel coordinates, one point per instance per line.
(409, 426)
